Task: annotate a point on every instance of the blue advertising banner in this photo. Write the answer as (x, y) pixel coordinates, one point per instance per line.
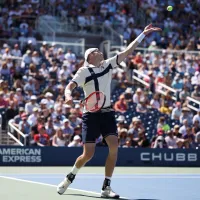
(63, 156)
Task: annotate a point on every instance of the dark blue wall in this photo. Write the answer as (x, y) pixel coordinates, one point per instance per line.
(63, 156)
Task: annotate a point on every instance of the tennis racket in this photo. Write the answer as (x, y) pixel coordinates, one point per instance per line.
(94, 102)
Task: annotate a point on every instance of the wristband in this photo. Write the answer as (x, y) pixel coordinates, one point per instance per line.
(67, 91)
(140, 37)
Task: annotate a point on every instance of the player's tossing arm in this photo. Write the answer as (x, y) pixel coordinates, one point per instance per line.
(132, 46)
(78, 80)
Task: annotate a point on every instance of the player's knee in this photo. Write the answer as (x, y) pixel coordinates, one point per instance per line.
(112, 142)
(113, 148)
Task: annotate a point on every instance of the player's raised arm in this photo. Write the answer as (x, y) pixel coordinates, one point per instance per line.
(132, 46)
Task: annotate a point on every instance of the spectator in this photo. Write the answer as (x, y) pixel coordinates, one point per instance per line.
(42, 138)
(11, 111)
(163, 125)
(183, 128)
(16, 51)
(18, 117)
(12, 99)
(176, 131)
(186, 115)
(67, 130)
(30, 105)
(196, 127)
(165, 109)
(122, 138)
(142, 141)
(50, 128)
(76, 142)
(58, 139)
(189, 138)
(3, 102)
(128, 94)
(155, 102)
(177, 83)
(195, 80)
(50, 101)
(141, 107)
(184, 94)
(19, 97)
(30, 86)
(160, 142)
(32, 119)
(135, 127)
(121, 105)
(171, 140)
(197, 116)
(176, 112)
(196, 93)
(24, 127)
(197, 140)
(138, 96)
(74, 120)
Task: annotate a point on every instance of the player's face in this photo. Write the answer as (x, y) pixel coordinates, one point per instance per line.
(96, 56)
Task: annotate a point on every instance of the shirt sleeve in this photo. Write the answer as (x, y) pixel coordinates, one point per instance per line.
(79, 77)
(113, 61)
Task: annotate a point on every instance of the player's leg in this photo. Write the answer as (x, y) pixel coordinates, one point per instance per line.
(88, 152)
(90, 132)
(109, 131)
(112, 142)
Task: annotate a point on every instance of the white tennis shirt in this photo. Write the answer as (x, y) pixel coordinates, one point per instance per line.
(103, 75)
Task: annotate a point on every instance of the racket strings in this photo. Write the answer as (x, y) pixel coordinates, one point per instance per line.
(95, 102)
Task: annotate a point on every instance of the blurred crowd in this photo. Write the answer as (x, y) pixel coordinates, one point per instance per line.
(32, 86)
(181, 26)
(181, 29)
(18, 20)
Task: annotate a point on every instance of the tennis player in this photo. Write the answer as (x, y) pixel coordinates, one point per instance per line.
(96, 75)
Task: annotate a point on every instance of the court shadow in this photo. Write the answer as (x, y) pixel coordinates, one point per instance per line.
(95, 197)
(83, 195)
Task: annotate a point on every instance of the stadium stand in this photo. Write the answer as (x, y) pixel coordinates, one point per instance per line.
(33, 75)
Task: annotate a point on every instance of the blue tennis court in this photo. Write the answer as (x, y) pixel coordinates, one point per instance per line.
(135, 186)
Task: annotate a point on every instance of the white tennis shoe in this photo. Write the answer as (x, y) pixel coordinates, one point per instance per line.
(62, 187)
(109, 193)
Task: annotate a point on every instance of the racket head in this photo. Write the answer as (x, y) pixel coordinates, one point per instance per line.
(95, 101)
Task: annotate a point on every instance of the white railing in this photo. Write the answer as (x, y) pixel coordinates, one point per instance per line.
(163, 89)
(146, 50)
(195, 101)
(12, 128)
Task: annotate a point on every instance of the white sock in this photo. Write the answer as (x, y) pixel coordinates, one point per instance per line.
(108, 177)
(74, 170)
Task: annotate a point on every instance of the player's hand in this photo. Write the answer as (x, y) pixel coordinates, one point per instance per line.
(149, 29)
(69, 100)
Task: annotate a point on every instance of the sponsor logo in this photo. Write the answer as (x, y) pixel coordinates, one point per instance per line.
(169, 157)
(20, 155)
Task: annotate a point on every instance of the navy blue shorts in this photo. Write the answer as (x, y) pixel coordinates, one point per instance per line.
(96, 124)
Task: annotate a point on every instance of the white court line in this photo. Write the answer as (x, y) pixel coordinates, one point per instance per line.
(102, 174)
(115, 177)
(50, 185)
